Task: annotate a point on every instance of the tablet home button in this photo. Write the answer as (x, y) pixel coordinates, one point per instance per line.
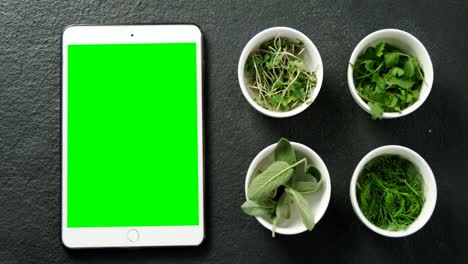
(133, 235)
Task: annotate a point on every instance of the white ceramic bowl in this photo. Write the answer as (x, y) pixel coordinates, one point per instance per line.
(318, 201)
(311, 57)
(429, 186)
(407, 43)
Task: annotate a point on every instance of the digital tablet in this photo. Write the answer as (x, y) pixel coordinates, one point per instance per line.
(132, 136)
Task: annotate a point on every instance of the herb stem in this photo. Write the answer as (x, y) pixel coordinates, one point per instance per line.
(287, 88)
(372, 72)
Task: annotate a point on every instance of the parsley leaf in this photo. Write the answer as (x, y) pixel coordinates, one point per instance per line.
(408, 67)
(406, 84)
(376, 110)
(391, 59)
(380, 49)
(397, 71)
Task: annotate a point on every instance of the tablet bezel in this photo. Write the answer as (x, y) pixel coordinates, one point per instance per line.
(120, 236)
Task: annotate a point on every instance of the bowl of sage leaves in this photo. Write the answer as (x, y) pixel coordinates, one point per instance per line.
(280, 72)
(393, 191)
(287, 188)
(390, 74)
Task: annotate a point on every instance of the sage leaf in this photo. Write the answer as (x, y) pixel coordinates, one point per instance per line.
(307, 187)
(285, 152)
(303, 206)
(312, 170)
(262, 209)
(277, 174)
(274, 224)
(271, 195)
(282, 206)
(266, 182)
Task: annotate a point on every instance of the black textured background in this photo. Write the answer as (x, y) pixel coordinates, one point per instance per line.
(334, 126)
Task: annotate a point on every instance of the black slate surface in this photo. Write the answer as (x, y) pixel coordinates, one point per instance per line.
(334, 126)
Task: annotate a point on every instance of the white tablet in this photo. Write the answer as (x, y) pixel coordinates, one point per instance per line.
(132, 136)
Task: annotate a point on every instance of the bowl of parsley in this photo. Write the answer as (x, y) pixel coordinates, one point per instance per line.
(390, 74)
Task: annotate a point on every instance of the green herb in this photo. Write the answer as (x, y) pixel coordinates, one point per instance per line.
(307, 187)
(285, 152)
(278, 173)
(303, 207)
(390, 192)
(388, 79)
(281, 80)
(262, 209)
(273, 191)
(281, 210)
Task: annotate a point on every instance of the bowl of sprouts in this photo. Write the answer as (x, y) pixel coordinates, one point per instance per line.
(280, 72)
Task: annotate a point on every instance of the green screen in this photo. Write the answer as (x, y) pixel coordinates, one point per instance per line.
(132, 135)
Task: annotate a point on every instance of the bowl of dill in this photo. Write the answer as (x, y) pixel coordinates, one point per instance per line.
(390, 74)
(280, 72)
(393, 191)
